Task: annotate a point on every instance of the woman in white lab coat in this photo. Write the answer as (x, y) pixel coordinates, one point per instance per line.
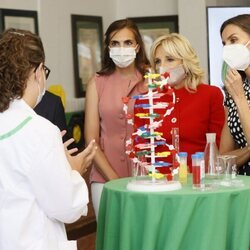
(41, 187)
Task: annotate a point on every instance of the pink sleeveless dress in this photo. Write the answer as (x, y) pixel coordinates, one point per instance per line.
(114, 130)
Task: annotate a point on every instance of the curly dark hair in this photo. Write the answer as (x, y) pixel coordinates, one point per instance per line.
(141, 61)
(20, 52)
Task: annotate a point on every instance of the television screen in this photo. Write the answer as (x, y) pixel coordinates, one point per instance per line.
(215, 17)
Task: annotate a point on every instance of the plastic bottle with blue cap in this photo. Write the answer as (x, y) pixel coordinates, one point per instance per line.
(198, 166)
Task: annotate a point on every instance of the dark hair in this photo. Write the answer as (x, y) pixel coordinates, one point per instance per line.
(141, 60)
(20, 52)
(242, 21)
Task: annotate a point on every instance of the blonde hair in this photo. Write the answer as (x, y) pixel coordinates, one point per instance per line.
(177, 46)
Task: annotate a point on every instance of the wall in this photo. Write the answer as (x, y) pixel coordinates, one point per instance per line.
(55, 31)
(55, 23)
(15, 4)
(131, 8)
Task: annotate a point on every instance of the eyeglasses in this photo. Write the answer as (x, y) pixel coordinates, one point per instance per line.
(47, 71)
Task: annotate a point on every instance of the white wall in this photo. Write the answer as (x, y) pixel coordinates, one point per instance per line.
(15, 4)
(192, 24)
(132, 8)
(55, 31)
(55, 27)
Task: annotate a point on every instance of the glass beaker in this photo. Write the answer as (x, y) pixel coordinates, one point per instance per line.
(228, 168)
(139, 169)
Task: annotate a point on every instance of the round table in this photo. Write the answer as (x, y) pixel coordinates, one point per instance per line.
(185, 219)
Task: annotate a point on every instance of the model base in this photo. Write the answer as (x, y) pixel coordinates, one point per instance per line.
(150, 185)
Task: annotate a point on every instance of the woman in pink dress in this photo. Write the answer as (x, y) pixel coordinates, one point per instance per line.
(121, 75)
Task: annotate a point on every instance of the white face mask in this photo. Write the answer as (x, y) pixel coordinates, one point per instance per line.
(237, 56)
(40, 94)
(122, 57)
(176, 75)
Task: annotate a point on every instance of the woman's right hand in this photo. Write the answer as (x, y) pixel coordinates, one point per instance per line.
(82, 160)
(234, 86)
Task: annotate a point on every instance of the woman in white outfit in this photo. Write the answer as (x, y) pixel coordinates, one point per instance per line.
(41, 186)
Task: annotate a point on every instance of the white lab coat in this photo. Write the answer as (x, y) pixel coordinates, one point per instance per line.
(39, 191)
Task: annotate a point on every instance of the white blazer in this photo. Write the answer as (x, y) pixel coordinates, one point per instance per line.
(39, 191)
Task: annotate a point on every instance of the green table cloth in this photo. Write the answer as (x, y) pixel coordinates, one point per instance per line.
(185, 219)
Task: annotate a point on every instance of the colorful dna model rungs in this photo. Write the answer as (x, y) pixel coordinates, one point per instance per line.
(142, 146)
